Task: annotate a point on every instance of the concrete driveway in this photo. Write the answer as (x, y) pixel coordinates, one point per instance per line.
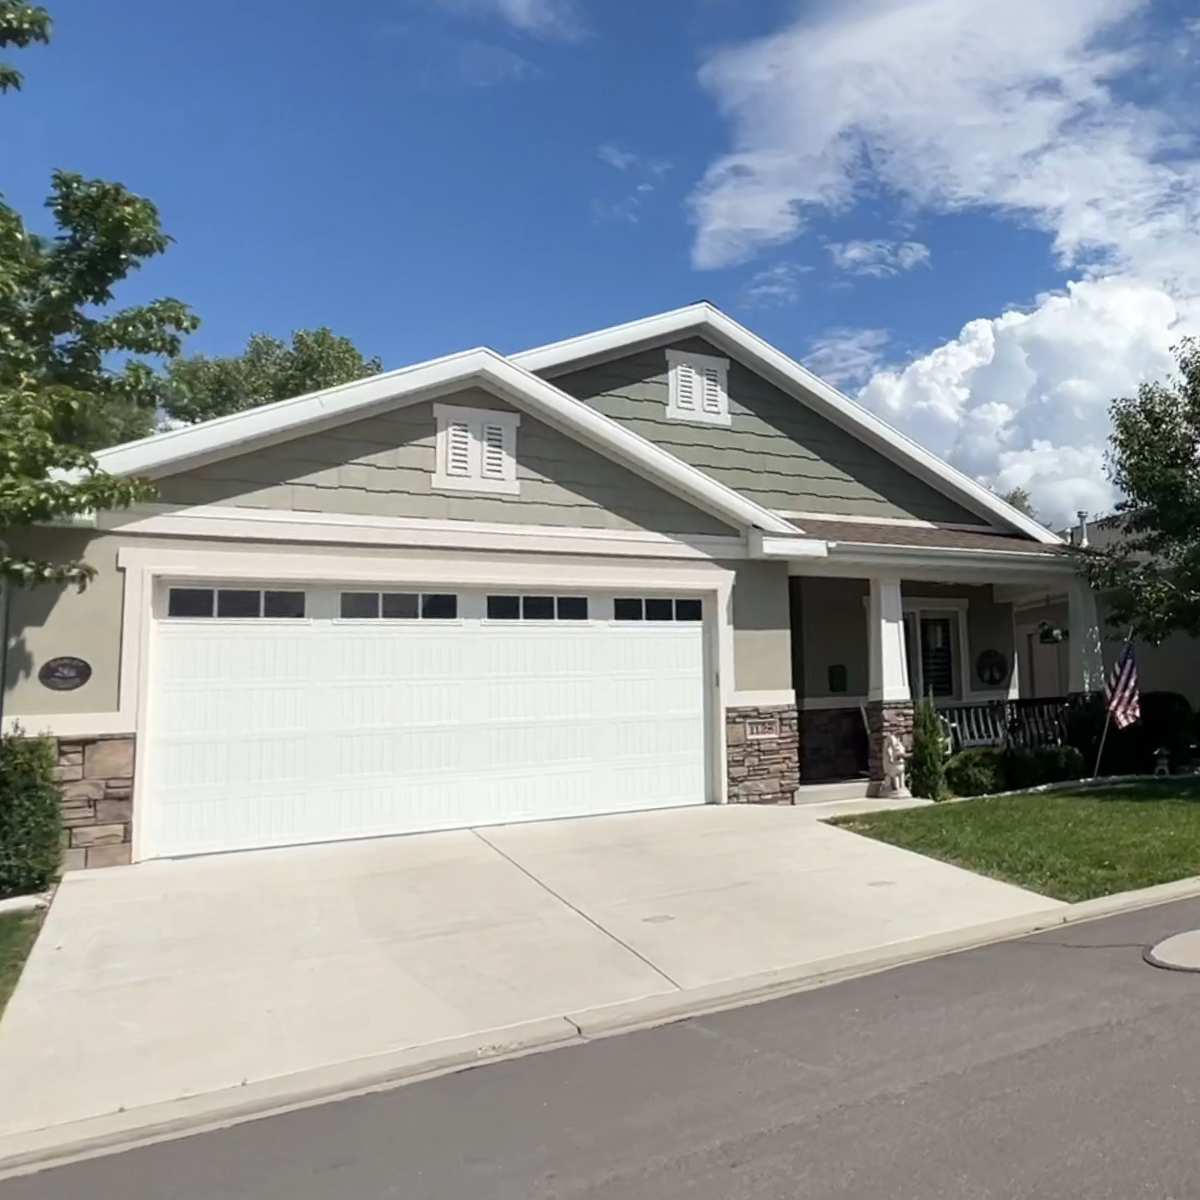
(171, 979)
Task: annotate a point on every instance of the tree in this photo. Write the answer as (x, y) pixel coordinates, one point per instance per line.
(21, 25)
(1020, 499)
(60, 395)
(1152, 574)
(201, 387)
(927, 771)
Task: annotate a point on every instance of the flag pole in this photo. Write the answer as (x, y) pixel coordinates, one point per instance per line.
(1103, 737)
(1108, 714)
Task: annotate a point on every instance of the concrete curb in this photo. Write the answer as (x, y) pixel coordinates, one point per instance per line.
(16, 904)
(38, 1150)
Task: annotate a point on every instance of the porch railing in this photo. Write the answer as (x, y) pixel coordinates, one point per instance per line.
(1026, 723)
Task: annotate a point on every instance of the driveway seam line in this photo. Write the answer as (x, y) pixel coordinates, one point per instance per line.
(590, 920)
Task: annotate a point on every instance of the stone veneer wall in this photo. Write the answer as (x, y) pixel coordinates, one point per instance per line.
(96, 777)
(893, 717)
(762, 770)
(833, 744)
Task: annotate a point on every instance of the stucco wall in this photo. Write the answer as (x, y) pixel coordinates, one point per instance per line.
(832, 614)
(46, 622)
(762, 635)
(777, 450)
(833, 617)
(1172, 667)
(50, 621)
(382, 466)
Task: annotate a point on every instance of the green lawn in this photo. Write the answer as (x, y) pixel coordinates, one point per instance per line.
(17, 934)
(1069, 845)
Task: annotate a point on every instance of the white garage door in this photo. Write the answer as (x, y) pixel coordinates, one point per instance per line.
(280, 716)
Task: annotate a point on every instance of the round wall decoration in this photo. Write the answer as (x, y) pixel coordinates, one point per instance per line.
(992, 668)
(64, 674)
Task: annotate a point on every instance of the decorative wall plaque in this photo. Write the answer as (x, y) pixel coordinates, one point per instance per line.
(64, 674)
(762, 727)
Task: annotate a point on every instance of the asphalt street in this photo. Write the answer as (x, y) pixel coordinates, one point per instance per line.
(1060, 1065)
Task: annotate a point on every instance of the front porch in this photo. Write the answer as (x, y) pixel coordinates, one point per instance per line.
(874, 628)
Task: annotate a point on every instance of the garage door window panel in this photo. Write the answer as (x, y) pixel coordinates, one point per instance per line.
(657, 608)
(191, 602)
(398, 606)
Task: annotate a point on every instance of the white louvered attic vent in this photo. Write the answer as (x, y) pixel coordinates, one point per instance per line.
(698, 388)
(458, 448)
(492, 464)
(476, 450)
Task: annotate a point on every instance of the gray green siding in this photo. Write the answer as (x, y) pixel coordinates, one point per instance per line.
(382, 466)
(777, 451)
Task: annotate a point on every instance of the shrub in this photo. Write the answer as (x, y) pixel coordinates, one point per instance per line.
(927, 774)
(1166, 722)
(976, 772)
(1085, 724)
(1047, 764)
(30, 815)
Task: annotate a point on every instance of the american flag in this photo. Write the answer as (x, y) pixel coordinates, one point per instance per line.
(1122, 690)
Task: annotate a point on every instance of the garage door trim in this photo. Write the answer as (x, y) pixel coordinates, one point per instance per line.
(146, 570)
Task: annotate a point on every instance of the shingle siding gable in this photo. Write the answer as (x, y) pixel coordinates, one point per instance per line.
(383, 466)
(777, 451)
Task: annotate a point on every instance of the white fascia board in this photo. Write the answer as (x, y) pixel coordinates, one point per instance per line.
(238, 433)
(765, 546)
(242, 432)
(786, 373)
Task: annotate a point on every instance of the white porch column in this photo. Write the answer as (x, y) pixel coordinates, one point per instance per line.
(1086, 654)
(888, 672)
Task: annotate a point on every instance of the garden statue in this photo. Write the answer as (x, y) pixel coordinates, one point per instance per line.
(894, 767)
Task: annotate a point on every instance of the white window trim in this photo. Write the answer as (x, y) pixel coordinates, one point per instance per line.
(698, 362)
(451, 414)
(920, 606)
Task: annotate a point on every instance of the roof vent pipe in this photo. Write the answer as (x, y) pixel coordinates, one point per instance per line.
(1079, 535)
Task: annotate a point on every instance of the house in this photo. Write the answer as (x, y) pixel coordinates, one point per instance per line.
(1044, 651)
(660, 564)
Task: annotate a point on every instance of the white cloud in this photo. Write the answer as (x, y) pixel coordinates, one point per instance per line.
(845, 357)
(774, 286)
(950, 112)
(481, 64)
(620, 160)
(552, 19)
(1022, 399)
(878, 258)
(1022, 118)
(627, 208)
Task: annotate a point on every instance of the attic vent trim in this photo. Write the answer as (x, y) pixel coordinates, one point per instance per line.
(698, 388)
(476, 450)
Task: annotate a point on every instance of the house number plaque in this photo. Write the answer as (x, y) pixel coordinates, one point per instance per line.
(762, 727)
(64, 674)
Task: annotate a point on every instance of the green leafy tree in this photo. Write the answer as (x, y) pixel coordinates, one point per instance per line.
(201, 387)
(1152, 573)
(21, 25)
(60, 393)
(1020, 499)
(927, 769)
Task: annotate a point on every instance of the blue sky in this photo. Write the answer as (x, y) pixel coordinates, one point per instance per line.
(424, 175)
